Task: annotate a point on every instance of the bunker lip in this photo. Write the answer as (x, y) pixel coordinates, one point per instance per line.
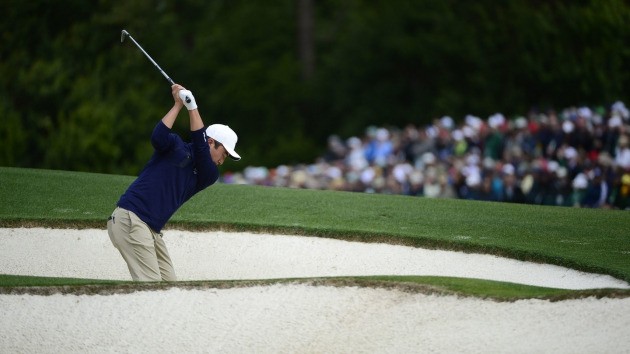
(241, 256)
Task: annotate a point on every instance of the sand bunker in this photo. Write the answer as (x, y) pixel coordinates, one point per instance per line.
(223, 256)
(307, 319)
(291, 318)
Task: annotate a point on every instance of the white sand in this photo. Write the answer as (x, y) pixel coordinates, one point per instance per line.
(222, 256)
(294, 318)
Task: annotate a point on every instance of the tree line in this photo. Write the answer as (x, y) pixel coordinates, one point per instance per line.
(286, 74)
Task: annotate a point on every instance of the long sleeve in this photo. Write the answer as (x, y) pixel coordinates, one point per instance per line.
(207, 171)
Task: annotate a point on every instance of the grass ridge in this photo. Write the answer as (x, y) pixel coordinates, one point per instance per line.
(427, 285)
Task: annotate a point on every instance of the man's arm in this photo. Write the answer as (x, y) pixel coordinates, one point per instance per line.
(206, 169)
(195, 120)
(171, 116)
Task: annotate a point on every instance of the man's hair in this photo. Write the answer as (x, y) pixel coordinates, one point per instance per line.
(216, 143)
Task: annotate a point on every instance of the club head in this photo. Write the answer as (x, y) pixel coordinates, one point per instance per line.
(123, 35)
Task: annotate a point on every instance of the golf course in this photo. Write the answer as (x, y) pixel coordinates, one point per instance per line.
(63, 216)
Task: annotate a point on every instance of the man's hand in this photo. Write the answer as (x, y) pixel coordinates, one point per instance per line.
(188, 99)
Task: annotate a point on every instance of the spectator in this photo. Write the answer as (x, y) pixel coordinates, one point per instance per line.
(622, 152)
(579, 157)
(596, 195)
(379, 148)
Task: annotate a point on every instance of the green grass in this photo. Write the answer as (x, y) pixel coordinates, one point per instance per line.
(11, 281)
(488, 289)
(583, 239)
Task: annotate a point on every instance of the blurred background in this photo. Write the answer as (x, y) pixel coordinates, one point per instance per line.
(301, 81)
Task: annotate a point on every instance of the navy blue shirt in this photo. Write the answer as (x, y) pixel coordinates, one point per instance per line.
(176, 171)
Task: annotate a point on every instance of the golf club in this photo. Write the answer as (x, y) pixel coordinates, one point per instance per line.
(125, 34)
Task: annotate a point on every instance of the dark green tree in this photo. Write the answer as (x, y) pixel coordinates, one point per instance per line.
(286, 74)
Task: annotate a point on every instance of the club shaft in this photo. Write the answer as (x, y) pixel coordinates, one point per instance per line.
(151, 59)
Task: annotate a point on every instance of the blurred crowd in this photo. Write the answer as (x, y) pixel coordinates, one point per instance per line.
(579, 156)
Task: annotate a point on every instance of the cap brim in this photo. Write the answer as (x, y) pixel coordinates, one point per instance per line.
(233, 155)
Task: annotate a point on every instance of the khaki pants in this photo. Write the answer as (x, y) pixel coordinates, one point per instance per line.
(142, 248)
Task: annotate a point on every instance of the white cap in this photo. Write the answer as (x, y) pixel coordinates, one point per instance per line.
(226, 137)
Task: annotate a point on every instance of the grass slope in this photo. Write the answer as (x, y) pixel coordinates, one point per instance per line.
(585, 239)
(487, 289)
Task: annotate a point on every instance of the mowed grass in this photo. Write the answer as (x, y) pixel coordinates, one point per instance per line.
(499, 291)
(583, 239)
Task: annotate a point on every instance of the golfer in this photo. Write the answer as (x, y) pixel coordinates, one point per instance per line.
(176, 171)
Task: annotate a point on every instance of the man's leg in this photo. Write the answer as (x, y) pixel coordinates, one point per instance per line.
(164, 260)
(134, 239)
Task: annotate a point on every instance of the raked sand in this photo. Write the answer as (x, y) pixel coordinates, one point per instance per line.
(294, 318)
